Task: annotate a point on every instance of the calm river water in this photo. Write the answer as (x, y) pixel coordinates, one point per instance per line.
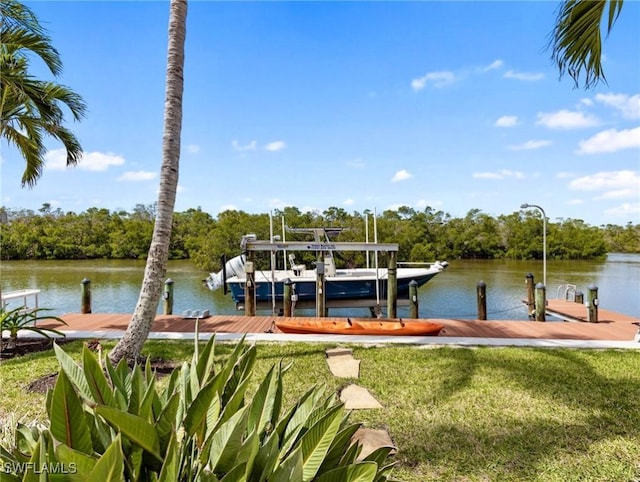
(451, 294)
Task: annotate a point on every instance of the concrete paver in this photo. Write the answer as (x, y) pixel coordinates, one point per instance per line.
(356, 397)
(372, 440)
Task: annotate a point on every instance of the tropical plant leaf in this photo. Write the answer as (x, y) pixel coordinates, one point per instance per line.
(110, 466)
(170, 468)
(134, 428)
(73, 371)
(235, 401)
(316, 441)
(263, 402)
(82, 464)
(266, 459)
(196, 416)
(290, 469)
(98, 385)
(339, 446)
(204, 364)
(362, 472)
(166, 421)
(379, 455)
(68, 425)
(226, 441)
(236, 474)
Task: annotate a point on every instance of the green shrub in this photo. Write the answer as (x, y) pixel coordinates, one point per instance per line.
(114, 424)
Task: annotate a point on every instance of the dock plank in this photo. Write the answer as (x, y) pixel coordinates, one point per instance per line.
(613, 326)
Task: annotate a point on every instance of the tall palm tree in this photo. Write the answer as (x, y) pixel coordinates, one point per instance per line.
(30, 108)
(576, 40)
(131, 343)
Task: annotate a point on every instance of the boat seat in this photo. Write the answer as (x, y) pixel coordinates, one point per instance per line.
(297, 269)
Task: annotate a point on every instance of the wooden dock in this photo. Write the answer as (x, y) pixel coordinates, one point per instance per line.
(611, 326)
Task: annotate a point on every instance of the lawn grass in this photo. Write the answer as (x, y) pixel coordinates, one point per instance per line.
(455, 414)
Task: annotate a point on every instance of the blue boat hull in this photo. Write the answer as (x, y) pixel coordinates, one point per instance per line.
(354, 289)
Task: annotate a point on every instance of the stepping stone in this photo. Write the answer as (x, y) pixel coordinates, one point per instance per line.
(372, 440)
(355, 397)
(342, 364)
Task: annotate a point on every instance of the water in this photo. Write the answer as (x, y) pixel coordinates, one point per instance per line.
(451, 294)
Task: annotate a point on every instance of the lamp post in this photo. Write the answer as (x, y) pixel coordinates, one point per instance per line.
(544, 239)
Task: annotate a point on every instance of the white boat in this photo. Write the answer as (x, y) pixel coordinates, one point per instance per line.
(340, 284)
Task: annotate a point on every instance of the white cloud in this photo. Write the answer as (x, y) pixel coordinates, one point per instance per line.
(193, 148)
(610, 140)
(247, 147)
(137, 176)
(496, 64)
(624, 210)
(507, 121)
(401, 175)
(275, 146)
(585, 101)
(348, 202)
(499, 175)
(620, 194)
(613, 183)
(423, 203)
(228, 207)
(526, 76)
(564, 119)
(438, 79)
(565, 175)
(529, 145)
(629, 106)
(575, 202)
(276, 203)
(91, 161)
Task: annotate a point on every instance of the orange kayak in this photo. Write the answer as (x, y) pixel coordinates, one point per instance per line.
(360, 327)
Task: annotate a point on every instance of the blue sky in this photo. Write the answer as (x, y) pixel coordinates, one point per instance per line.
(453, 105)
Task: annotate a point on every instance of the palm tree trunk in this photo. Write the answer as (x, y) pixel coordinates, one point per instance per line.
(130, 345)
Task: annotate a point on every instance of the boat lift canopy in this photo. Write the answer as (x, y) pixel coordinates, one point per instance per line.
(314, 246)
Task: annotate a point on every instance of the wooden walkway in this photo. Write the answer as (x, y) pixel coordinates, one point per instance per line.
(611, 326)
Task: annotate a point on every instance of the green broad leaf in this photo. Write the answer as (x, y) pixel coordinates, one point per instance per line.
(124, 374)
(236, 474)
(362, 472)
(379, 455)
(25, 439)
(82, 464)
(290, 469)
(98, 385)
(37, 459)
(134, 428)
(305, 407)
(196, 416)
(226, 441)
(316, 441)
(213, 415)
(137, 390)
(241, 372)
(227, 369)
(109, 467)
(146, 405)
(235, 402)
(73, 371)
(172, 384)
(339, 446)
(384, 472)
(166, 421)
(263, 402)
(68, 423)
(266, 459)
(170, 468)
(205, 361)
(351, 454)
(118, 384)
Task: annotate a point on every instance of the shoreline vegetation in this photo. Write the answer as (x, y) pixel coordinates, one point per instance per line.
(98, 233)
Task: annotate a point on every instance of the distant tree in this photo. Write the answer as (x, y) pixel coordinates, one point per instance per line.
(130, 345)
(31, 109)
(576, 40)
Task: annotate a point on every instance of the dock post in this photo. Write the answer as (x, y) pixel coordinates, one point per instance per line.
(85, 303)
(167, 297)
(592, 303)
(320, 295)
(481, 294)
(541, 302)
(413, 298)
(392, 286)
(288, 292)
(579, 297)
(249, 288)
(530, 294)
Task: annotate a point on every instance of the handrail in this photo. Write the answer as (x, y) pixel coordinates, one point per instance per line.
(569, 290)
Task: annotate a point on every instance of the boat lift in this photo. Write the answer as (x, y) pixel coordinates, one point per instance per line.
(251, 245)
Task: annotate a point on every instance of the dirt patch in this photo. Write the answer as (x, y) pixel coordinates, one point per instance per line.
(26, 346)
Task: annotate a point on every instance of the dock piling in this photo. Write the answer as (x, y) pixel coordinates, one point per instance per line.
(392, 286)
(541, 302)
(167, 297)
(530, 294)
(592, 303)
(288, 293)
(481, 294)
(413, 298)
(85, 303)
(249, 288)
